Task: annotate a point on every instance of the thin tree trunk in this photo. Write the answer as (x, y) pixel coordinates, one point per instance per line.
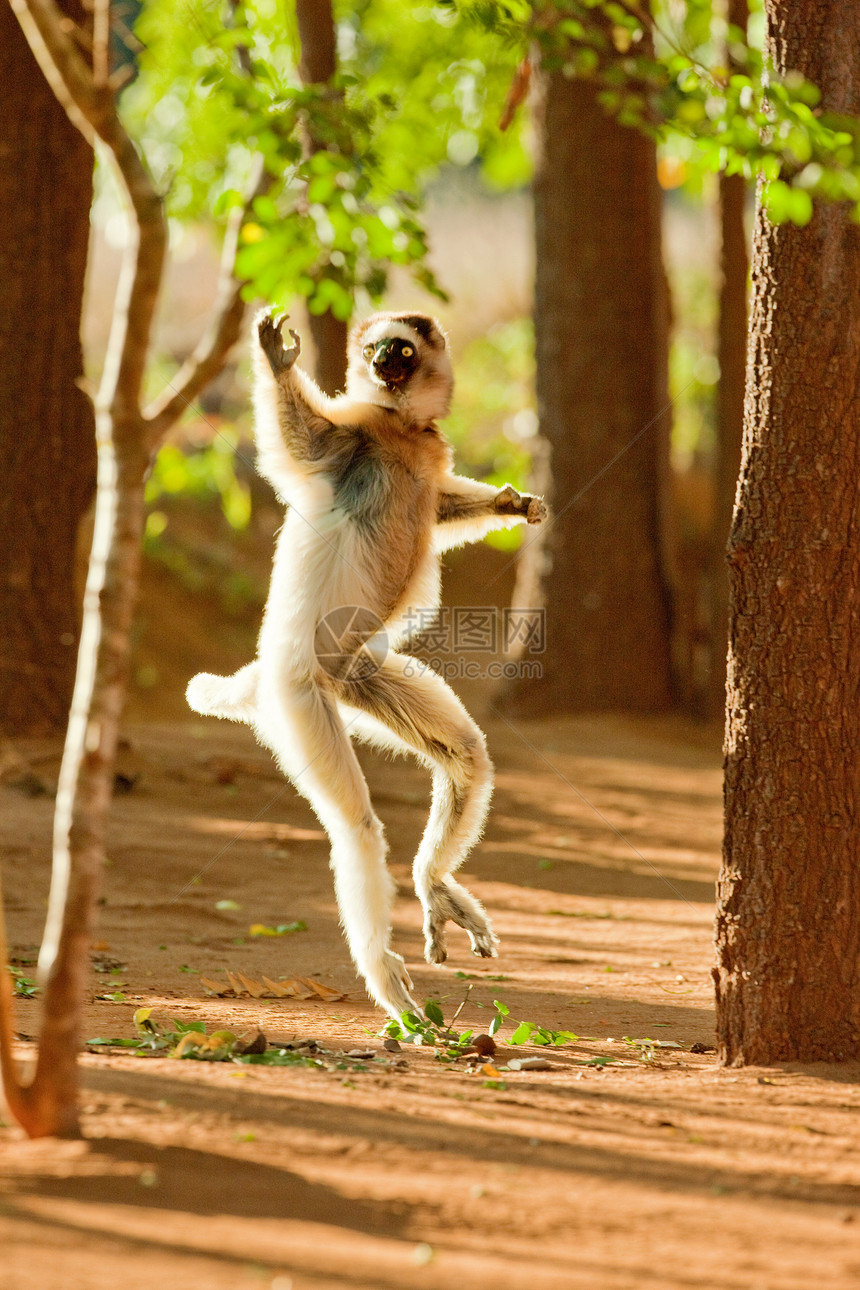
(86, 776)
(731, 352)
(599, 324)
(127, 438)
(317, 66)
(788, 917)
(47, 439)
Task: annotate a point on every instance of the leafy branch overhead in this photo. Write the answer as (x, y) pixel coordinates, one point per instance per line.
(696, 82)
(334, 217)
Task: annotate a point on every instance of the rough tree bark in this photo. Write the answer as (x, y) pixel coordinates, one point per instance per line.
(788, 917)
(317, 66)
(731, 352)
(127, 438)
(47, 438)
(599, 320)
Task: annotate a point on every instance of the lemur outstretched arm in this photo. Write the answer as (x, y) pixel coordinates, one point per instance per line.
(292, 425)
(467, 510)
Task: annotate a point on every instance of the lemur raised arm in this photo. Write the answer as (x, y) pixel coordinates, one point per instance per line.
(372, 502)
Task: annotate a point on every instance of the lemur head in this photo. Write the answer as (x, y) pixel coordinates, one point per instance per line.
(402, 362)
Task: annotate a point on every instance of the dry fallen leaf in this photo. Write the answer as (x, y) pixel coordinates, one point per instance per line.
(324, 991)
(299, 987)
(254, 988)
(212, 986)
(280, 989)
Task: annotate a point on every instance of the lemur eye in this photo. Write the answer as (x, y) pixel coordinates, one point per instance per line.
(368, 351)
(407, 351)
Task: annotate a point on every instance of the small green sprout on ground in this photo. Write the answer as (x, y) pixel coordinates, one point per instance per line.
(24, 986)
(430, 1030)
(529, 1032)
(450, 1044)
(646, 1049)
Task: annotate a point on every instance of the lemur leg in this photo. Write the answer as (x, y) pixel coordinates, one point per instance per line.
(301, 725)
(410, 705)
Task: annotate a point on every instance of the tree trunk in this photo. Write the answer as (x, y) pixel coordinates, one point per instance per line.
(599, 323)
(47, 435)
(788, 917)
(317, 66)
(731, 352)
(127, 438)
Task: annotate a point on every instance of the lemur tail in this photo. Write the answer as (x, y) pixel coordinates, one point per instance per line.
(233, 697)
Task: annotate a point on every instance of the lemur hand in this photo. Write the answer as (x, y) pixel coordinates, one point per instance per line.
(272, 344)
(510, 502)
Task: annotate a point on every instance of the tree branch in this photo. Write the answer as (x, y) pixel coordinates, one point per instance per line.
(223, 331)
(101, 43)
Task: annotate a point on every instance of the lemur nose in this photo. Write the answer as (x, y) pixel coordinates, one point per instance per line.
(383, 352)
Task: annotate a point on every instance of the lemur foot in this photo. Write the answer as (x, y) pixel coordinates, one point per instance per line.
(390, 984)
(510, 502)
(435, 947)
(451, 902)
(484, 944)
(270, 331)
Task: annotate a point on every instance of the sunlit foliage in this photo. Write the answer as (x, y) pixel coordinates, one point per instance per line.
(677, 69)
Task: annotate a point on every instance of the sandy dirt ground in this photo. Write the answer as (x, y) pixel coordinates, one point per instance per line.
(398, 1171)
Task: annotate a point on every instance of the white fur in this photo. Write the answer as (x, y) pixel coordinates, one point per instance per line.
(388, 328)
(325, 559)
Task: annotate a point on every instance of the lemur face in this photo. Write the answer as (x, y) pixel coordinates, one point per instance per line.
(392, 360)
(401, 361)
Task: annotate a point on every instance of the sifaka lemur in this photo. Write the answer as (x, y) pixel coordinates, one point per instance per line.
(372, 502)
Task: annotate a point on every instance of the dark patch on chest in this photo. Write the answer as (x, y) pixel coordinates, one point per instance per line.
(362, 483)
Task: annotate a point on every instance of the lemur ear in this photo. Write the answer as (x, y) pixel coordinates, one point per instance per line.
(426, 328)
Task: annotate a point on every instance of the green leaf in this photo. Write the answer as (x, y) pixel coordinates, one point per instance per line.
(522, 1033)
(502, 1011)
(433, 1012)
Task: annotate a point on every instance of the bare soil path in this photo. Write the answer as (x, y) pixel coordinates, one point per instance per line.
(401, 1172)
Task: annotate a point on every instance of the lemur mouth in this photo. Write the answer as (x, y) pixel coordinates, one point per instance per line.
(391, 370)
(392, 380)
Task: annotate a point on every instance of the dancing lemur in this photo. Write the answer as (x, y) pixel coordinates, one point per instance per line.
(372, 502)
